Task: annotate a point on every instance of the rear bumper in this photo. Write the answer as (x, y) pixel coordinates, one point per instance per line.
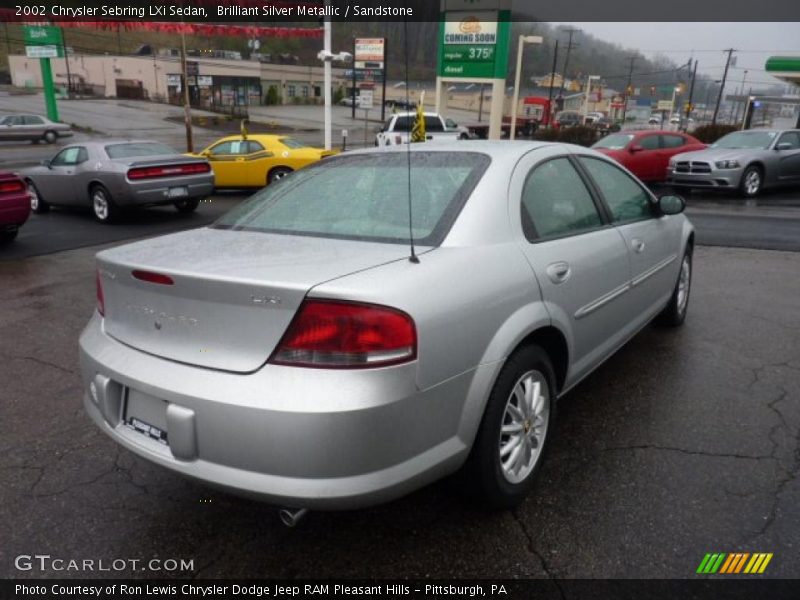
(14, 211)
(314, 438)
(157, 191)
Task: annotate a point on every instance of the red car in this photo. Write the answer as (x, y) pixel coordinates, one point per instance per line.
(647, 153)
(15, 205)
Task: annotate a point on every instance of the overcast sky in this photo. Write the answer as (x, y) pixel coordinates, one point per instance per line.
(755, 43)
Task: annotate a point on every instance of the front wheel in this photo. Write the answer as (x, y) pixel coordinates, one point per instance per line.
(511, 439)
(103, 205)
(752, 182)
(187, 206)
(674, 314)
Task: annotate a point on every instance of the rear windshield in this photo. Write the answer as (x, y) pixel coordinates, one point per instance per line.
(615, 141)
(292, 143)
(134, 149)
(365, 197)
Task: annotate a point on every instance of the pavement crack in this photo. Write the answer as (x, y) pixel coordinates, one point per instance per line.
(689, 452)
(46, 363)
(532, 549)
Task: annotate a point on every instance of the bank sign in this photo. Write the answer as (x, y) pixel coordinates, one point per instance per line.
(43, 41)
(473, 44)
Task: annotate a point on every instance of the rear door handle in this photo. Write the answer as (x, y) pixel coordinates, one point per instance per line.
(637, 245)
(559, 272)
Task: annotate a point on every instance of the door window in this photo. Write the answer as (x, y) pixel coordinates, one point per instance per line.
(433, 124)
(672, 141)
(791, 137)
(70, 156)
(556, 202)
(33, 120)
(649, 142)
(403, 124)
(236, 147)
(626, 199)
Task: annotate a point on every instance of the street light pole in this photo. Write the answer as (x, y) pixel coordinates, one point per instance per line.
(187, 111)
(530, 39)
(326, 65)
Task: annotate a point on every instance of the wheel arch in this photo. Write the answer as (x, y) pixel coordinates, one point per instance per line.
(276, 167)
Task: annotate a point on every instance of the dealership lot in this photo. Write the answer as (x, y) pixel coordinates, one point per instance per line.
(684, 442)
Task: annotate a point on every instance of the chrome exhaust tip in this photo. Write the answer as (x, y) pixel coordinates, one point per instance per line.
(291, 517)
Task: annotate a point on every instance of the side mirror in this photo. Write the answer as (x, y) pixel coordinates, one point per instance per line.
(46, 163)
(784, 146)
(635, 148)
(671, 205)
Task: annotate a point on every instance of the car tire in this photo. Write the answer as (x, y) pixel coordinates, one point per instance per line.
(8, 236)
(674, 314)
(38, 205)
(50, 137)
(187, 206)
(103, 206)
(498, 451)
(277, 173)
(752, 181)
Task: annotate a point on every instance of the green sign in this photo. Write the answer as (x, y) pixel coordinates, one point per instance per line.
(474, 44)
(43, 41)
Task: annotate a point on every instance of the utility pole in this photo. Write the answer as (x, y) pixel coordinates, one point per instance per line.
(730, 52)
(187, 111)
(66, 62)
(741, 91)
(691, 94)
(326, 69)
(627, 89)
(552, 81)
(570, 46)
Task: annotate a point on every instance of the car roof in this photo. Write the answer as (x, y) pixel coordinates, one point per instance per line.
(264, 137)
(109, 142)
(496, 149)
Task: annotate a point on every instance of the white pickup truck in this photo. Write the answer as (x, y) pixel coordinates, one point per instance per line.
(397, 128)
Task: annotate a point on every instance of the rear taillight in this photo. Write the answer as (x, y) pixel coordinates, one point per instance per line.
(101, 303)
(168, 171)
(347, 335)
(11, 187)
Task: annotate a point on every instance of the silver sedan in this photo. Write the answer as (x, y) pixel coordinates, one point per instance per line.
(111, 175)
(305, 350)
(32, 127)
(747, 161)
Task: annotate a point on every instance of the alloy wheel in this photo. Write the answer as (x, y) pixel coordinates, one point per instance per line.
(752, 182)
(100, 205)
(524, 426)
(684, 282)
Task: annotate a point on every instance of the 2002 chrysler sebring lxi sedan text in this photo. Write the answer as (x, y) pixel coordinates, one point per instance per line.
(294, 352)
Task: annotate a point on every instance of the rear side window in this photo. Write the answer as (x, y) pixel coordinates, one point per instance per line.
(556, 202)
(626, 199)
(365, 197)
(33, 120)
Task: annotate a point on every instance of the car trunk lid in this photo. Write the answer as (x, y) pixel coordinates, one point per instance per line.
(218, 298)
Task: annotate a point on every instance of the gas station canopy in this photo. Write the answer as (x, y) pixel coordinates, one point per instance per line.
(786, 68)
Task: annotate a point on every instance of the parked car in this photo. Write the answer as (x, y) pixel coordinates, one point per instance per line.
(568, 118)
(33, 128)
(111, 175)
(299, 351)
(348, 101)
(15, 205)
(747, 161)
(604, 125)
(400, 104)
(655, 119)
(397, 127)
(646, 153)
(257, 160)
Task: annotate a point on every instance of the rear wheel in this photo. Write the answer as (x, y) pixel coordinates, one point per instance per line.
(38, 205)
(510, 444)
(752, 181)
(8, 235)
(187, 206)
(674, 314)
(277, 173)
(50, 137)
(103, 205)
